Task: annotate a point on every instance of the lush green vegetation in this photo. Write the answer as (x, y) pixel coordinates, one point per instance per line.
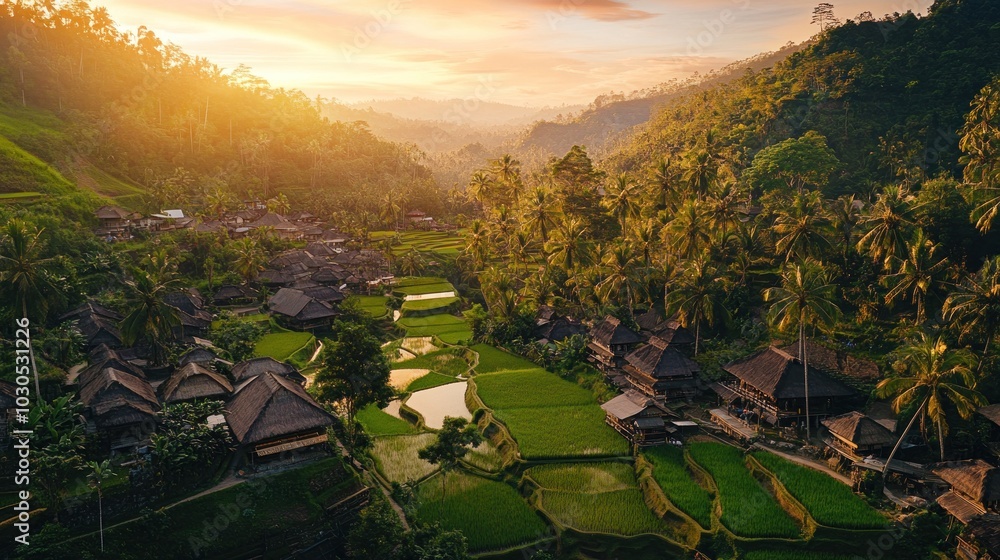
(449, 328)
(529, 389)
(283, 345)
(441, 243)
(412, 286)
(396, 457)
(374, 305)
(562, 431)
(748, 510)
(830, 502)
(670, 472)
(486, 457)
(447, 361)
(597, 497)
(793, 555)
(379, 423)
(432, 379)
(427, 305)
(492, 360)
(491, 514)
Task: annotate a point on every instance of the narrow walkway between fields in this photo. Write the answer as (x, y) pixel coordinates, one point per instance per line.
(806, 463)
(319, 348)
(436, 295)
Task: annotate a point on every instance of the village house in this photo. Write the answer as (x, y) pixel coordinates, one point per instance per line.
(770, 384)
(114, 221)
(661, 372)
(97, 324)
(299, 311)
(670, 331)
(251, 368)
(552, 327)
(610, 342)
(271, 414)
(981, 539)
(277, 223)
(231, 295)
(195, 320)
(975, 488)
(639, 418)
(194, 381)
(834, 362)
(856, 436)
(119, 405)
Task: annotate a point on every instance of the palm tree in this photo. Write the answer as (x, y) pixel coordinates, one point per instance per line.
(279, 204)
(621, 199)
(663, 185)
(697, 296)
(804, 298)
(701, 172)
(623, 277)
(151, 318)
(249, 259)
(644, 239)
(917, 275)
(539, 216)
(846, 216)
(412, 263)
(936, 376)
(25, 276)
(688, 232)
(570, 248)
(975, 304)
(979, 143)
(500, 292)
(481, 187)
(507, 171)
(722, 207)
(477, 244)
(99, 472)
(888, 223)
(802, 228)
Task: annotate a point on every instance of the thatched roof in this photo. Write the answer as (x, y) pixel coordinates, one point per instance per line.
(258, 366)
(659, 361)
(197, 355)
(193, 381)
(293, 303)
(188, 301)
(776, 373)
(545, 314)
(860, 430)
(832, 361)
(335, 236)
(985, 530)
(328, 275)
(114, 213)
(630, 404)
(99, 329)
(112, 412)
(319, 249)
(558, 329)
(211, 226)
(975, 479)
(324, 293)
(959, 507)
(273, 220)
(230, 292)
(110, 380)
(612, 331)
(92, 308)
(102, 358)
(991, 413)
(270, 406)
(668, 330)
(272, 277)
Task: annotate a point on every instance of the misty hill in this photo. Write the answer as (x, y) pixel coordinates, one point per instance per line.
(613, 115)
(477, 110)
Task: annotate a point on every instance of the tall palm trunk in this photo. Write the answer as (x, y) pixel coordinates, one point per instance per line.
(100, 516)
(940, 436)
(697, 334)
(805, 372)
(899, 443)
(31, 354)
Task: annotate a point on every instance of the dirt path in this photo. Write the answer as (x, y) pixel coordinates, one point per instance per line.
(806, 463)
(319, 348)
(436, 295)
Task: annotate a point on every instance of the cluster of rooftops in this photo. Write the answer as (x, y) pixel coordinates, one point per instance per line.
(115, 222)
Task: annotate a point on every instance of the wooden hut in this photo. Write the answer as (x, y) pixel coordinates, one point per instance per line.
(232, 295)
(194, 381)
(856, 436)
(981, 539)
(771, 384)
(271, 414)
(113, 220)
(975, 488)
(659, 371)
(610, 342)
(121, 406)
(639, 418)
(249, 369)
(299, 311)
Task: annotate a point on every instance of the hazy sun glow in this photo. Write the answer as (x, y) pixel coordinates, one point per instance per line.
(532, 52)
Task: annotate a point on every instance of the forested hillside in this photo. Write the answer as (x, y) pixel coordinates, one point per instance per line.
(889, 96)
(123, 113)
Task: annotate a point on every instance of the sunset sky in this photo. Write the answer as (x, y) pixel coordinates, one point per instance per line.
(530, 52)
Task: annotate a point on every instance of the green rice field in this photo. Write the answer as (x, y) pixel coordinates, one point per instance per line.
(493, 359)
(378, 423)
(396, 457)
(449, 328)
(374, 305)
(563, 431)
(828, 501)
(671, 474)
(530, 389)
(432, 379)
(491, 514)
(748, 510)
(428, 305)
(595, 497)
(282, 345)
(447, 361)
